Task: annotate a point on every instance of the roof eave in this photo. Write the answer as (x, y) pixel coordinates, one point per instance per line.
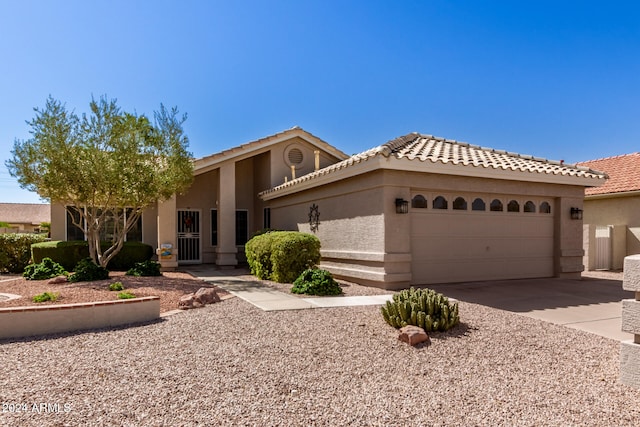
(634, 193)
(206, 164)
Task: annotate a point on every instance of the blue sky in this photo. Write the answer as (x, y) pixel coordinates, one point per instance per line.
(556, 79)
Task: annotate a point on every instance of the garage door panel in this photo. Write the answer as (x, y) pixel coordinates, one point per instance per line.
(456, 247)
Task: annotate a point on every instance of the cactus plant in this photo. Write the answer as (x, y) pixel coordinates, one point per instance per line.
(421, 307)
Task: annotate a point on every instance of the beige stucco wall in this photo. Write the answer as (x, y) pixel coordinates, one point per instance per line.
(623, 213)
(364, 239)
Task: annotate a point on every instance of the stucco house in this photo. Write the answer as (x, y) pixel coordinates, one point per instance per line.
(24, 217)
(415, 210)
(612, 213)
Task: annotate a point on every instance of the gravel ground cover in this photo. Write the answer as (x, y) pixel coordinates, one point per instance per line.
(233, 364)
(169, 287)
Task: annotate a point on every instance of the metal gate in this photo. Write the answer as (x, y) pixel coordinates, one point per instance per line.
(603, 247)
(189, 237)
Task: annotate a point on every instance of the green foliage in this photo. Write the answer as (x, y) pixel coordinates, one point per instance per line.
(45, 296)
(258, 252)
(116, 286)
(103, 163)
(4, 224)
(68, 254)
(421, 307)
(316, 282)
(126, 295)
(282, 255)
(44, 270)
(88, 271)
(15, 251)
(146, 268)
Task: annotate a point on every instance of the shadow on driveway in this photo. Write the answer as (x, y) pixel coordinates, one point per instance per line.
(527, 295)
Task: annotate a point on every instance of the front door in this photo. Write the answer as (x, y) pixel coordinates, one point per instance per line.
(189, 236)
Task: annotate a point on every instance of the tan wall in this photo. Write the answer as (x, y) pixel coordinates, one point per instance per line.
(623, 213)
(58, 219)
(364, 239)
(281, 168)
(28, 321)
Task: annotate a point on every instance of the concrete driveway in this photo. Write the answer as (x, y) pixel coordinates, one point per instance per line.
(591, 304)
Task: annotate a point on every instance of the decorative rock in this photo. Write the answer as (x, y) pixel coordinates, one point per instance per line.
(57, 280)
(201, 298)
(206, 296)
(186, 302)
(413, 335)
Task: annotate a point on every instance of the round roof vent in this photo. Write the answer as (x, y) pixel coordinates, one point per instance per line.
(295, 156)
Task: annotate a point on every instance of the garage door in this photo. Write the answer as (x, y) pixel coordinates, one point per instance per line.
(465, 245)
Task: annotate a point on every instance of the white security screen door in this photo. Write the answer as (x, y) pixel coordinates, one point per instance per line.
(189, 237)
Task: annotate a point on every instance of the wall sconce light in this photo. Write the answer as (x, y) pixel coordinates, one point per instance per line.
(576, 213)
(402, 206)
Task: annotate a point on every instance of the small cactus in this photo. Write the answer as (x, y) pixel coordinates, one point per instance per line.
(421, 307)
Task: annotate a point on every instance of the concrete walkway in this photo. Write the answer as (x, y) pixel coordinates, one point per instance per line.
(269, 299)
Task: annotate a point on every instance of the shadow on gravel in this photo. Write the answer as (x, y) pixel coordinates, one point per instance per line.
(48, 337)
(525, 295)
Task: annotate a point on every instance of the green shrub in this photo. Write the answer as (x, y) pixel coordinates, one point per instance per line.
(116, 286)
(44, 270)
(15, 251)
(292, 253)
(126, 295)
(145, 268)
(421, 307)
(45, 296)
(282, 255)
(88, 271)
(316, 282)
(68, 254)
(258, 252)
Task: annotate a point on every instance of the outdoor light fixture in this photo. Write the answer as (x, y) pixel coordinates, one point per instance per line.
(576, 213)
(402, 206)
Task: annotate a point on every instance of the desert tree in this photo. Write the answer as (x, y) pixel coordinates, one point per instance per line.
(106, 167)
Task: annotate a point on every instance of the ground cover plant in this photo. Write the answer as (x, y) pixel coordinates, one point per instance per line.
(126, 295)
(116, 286)
(144, 269)
(316, 282)
(425, 308)
(43, 270)
(88, 271)
(45, 296)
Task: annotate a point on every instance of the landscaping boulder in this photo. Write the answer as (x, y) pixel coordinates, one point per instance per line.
(57, 280)
(198, 299)
(206, 296)
(413, 335)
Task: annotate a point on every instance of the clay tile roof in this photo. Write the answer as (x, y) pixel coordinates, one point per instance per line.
(428, 148)
(623, 171)
(25, 213)
(436, 149)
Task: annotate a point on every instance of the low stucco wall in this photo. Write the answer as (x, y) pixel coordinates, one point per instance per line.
(17, 322)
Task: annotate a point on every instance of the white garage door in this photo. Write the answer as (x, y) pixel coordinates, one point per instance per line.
(458, 246)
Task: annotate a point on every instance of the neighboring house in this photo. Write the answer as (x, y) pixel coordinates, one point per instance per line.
(24, 217)
(416, 210)
(612, 213)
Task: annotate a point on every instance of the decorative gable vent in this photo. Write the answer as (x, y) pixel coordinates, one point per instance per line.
(295, 156)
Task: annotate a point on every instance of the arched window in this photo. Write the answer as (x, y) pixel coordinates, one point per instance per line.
(513, 206)
(440, 203)
(478, 205)
(419, 202)
(529, 206)
(460, 204)
(496, 206)
(545, 208)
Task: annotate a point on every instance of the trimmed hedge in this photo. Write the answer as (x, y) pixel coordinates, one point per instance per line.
(69, 254)
(282, 256)
(15, 251)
